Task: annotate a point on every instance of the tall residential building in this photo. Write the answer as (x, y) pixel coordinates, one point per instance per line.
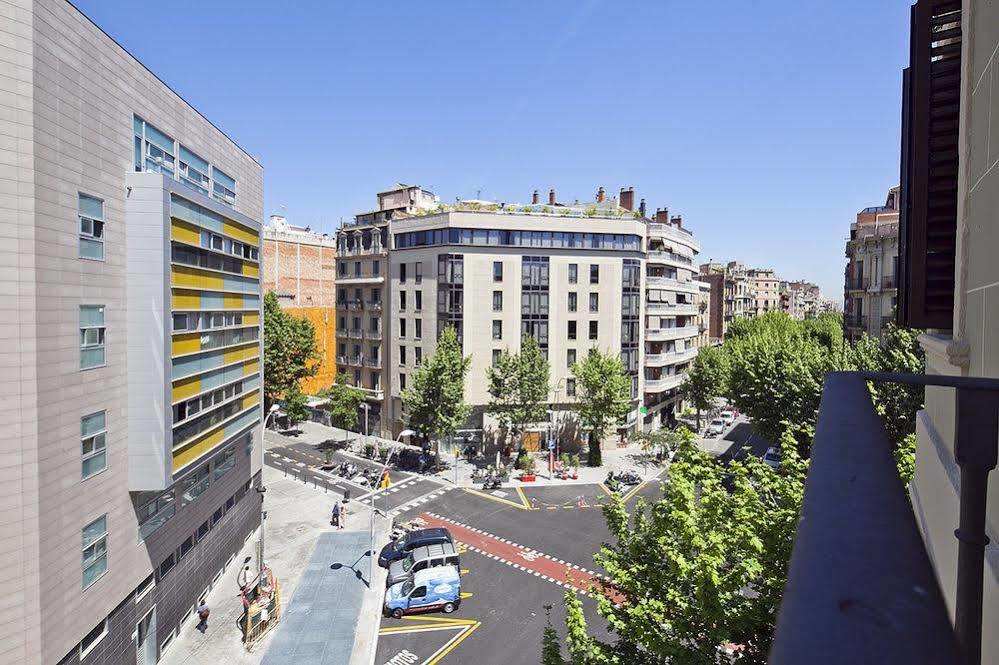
(300, 267)
(131, 372)
(713, 274)
(765, 288)
(573, 276)
(872, 269)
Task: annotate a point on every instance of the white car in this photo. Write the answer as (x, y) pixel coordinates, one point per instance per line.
(771, 458)
(717, 427)
(728, 417)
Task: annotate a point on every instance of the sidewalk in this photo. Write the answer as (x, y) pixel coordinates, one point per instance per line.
(297, 534)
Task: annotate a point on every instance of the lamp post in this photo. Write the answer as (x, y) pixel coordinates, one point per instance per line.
(261, 489)
(371, 562)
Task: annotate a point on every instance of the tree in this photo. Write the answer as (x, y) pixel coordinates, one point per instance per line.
(603, 395)
(666, 442)
(296, 405)
(343, 403)
(290, 353)
(435, 400)
(518, 387)
(705, 379)
(682, 564)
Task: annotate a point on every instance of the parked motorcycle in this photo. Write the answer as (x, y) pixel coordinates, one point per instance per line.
(492, 483)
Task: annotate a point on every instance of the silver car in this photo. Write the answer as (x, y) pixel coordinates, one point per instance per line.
(421, 558)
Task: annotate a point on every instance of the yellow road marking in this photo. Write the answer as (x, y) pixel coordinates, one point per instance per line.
(464, 571)
(522, 506)
(467, 594)
(604, 488)
(523, 497)
(450, 647)
(638, 487)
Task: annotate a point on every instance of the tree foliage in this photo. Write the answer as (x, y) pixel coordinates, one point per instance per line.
(518, 386)
(434, 402)
(343, 403)
(290, 353)
(603, 392)
(705, 379)
(682, 564)
(295, 405)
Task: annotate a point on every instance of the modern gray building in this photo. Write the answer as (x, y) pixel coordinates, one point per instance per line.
(131, 364)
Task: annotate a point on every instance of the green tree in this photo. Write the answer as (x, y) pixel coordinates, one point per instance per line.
(680, 565)
(296, 405)
(290, 353)
(343, 403)
(518, 387)
(434, 402)
(603, 394)
(705, 379)
(826, 329)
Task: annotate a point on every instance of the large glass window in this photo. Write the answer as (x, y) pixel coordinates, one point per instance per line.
(92, 334)
(154, 510)
(573, 273)
(95, 550)
(90, 211)
(194, 170)
(545, 239)
(93, 433)
(223, 187)
(497, 301)
(225, 462)
(195, 484)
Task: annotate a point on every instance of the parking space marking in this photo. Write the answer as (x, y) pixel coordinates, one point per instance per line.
(465, 627)
(524, 505)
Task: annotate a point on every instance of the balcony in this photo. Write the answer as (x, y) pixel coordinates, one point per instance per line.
(855, 321)
(861, 587)
(855, 284)
(374, 305)
(679, 309)
(664, 383)
(362, 278)
(373, 363)
(671, 283)
(889, 282)
(676, 233)
(670, 357)
(373, 334)
(374, 250)
(355, 333)
(667, 334)
(353, 305)
(669, 258)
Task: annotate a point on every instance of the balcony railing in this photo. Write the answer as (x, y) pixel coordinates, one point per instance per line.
(355, 332)
(861, 587)
(855, 283)
(889, 282)
(666, 334)
(664, 383)
(669, 357)
(374, 304)
(374, 363)
(679, 309)
(373, 334)
(671, 283)
(855, 321)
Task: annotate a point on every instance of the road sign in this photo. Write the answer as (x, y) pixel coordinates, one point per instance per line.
(551, 444)
(645, 410)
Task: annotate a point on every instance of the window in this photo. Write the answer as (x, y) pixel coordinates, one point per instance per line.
(497, 301)
(93, 433)
(594, 302)
(167, 565)
(91, 215)
(145, 586)
(572, 301)
(573, 273)
(92, 638)
(154, 510)
(419, 273)
(402, 328)
(193, 171)
(203, 530)
(179, 322)
(419, 355)
(496, 356)
(357, 268)
(572, 330)
(195, 484)
(402, 301)
(402, 273)
(570, 357)
(217, 516)
(91, 336)
(570, 387)
(230, 502)
(223, 187)
(418, 297)
(376, 267)
(402, 382)
(594, 273)
(593, 329)
(497, 271)
(418, 332)
(185, 547)
(224, 462)
(95, 550)
(497, 330)
(402, 355)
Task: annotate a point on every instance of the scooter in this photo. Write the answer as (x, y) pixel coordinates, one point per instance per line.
(492, 483)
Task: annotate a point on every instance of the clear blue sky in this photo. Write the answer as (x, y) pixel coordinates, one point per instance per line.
(767, 125)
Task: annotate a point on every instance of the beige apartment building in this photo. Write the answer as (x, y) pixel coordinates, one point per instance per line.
(872, 269)
(596, 274)
(131, 372)
(765, 288)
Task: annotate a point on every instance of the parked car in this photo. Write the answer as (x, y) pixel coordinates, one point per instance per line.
(771, 457)
(399, 548)
(727, 416)
(427, 590)
(716, 427)
(421, 558)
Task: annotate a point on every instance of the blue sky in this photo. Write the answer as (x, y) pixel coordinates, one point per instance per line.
(766, 125)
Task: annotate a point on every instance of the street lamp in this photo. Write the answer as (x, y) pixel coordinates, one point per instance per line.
(371, 563)
(261, 489)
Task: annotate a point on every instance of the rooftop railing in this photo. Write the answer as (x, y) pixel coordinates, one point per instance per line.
(861, 587)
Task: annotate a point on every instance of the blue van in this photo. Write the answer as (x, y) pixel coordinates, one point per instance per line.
(427, 590)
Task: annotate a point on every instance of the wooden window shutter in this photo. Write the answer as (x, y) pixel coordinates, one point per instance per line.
(931, 95)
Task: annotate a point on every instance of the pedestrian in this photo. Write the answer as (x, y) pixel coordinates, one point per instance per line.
(335, 518)
(342, 521)
(203, 613)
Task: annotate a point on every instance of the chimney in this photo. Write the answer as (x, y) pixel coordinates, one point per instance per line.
(678, 220)
(662, 216)
(534, 198)
(551, 197)
(600, 195)
(627, 198)
(641, 208)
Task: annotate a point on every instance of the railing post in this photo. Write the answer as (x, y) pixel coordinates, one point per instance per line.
(975, 451)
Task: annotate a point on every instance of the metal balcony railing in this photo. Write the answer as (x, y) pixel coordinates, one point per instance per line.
(861, 587)
(889, 282)
(854, 283)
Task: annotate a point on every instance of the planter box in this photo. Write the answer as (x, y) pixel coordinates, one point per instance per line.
(528, 479)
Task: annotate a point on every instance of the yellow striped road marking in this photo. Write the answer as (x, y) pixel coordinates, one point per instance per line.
(463, 571)
(522, 506)
(465, 628)
(523, 497)
(447, 648)
(604, 488)
(467, 594)
(640, 486)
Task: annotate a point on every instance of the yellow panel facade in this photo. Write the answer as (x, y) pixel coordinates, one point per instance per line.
(184, 388)
(251, 367)
(185, 232)
(185, 299)
(195, 278)
(251, 319)
(250, 269)
(232, 302)
(240, 232)
(240, 353)
(195, 449)
(323, 321)
(250, 400)
(189, 343)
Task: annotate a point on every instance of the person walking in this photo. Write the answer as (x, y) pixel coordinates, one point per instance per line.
(335, 517)
(203, 613)
(343, 517)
